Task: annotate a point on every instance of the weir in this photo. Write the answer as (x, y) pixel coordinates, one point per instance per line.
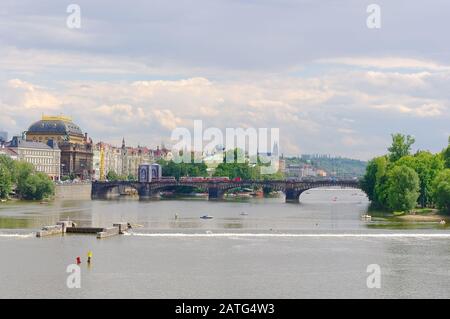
(62, 227)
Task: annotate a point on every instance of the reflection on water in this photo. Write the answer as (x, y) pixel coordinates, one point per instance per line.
(318, 210)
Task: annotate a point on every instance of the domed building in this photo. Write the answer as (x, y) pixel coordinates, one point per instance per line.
(76, 148)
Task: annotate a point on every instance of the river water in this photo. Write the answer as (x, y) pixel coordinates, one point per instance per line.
(320, 248)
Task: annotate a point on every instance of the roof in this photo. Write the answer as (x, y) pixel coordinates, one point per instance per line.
(18, 142)
(58, 125)
(7, 151)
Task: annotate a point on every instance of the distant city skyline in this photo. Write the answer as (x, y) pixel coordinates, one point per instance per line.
(312, 69)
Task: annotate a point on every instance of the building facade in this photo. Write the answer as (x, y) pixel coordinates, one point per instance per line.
(46, 158)
(106, 158)
(76, 148)
(124, 160)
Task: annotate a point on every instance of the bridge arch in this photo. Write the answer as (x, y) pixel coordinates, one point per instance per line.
(293, 193)
(216, 190)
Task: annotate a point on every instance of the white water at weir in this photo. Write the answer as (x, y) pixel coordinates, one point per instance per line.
(287, 235)
(15, 235)
(261, 235)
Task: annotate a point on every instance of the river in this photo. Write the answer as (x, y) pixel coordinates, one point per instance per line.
(320, 248)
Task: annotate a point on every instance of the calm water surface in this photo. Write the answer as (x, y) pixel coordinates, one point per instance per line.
(317, 249)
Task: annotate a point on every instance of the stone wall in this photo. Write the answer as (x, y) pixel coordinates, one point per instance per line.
(75, 191)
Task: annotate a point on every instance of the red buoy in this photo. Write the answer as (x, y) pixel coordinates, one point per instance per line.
(78, 260)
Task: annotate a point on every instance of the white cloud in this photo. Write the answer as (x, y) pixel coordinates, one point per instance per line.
(387, 63)
(33, 97)
(335, 112)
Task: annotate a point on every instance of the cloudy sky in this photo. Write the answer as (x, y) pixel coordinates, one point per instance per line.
(138, 69)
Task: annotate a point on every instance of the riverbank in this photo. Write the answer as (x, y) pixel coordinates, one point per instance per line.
(424, 215)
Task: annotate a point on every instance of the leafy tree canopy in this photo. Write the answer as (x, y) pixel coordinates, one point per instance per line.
(401, 146)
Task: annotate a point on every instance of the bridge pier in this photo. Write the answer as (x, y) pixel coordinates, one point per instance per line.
(147, 192)
(215, 193)
(104, 192)
(292, 195)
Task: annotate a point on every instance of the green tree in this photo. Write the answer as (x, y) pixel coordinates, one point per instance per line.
(170, 168)
(375, 171)
(401, 146)
(5, 181)
(427, 166)
(403, 188)
(441, 190)
(446, 155)
(36, 185)
(23, 170)
(11, 166)
(112, 176)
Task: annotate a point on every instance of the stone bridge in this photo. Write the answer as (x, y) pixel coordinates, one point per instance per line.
(216, 190)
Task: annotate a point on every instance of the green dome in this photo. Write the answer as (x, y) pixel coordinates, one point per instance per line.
(55, 127)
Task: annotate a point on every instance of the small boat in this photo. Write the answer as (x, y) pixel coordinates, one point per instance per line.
(206, 217)
(243, 214)
(366, 217)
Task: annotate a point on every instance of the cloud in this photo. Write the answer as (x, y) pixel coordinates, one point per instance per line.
(340, 118)
(33, 97)
(387, 63)
(310, 68)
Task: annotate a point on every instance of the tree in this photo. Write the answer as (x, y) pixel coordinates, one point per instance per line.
(5, 181)
(170, 168)
(401, 146)
(36, 186)
(402, 189)
(376, 169)
(446, 154)
(112, 176)
(427, 166)
(29, 183)
(441, 190)
(24, 170)
(11, 166)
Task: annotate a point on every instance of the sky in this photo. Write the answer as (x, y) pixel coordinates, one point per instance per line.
(139, 69)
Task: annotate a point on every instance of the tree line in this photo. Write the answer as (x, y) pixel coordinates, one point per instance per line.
(24, 179)
(400, 181)
(238, 166)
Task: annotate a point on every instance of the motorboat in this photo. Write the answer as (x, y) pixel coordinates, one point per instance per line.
(243, 214)
(366, 217)
(206, 217)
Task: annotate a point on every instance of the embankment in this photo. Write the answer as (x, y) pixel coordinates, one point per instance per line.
(75, 191)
